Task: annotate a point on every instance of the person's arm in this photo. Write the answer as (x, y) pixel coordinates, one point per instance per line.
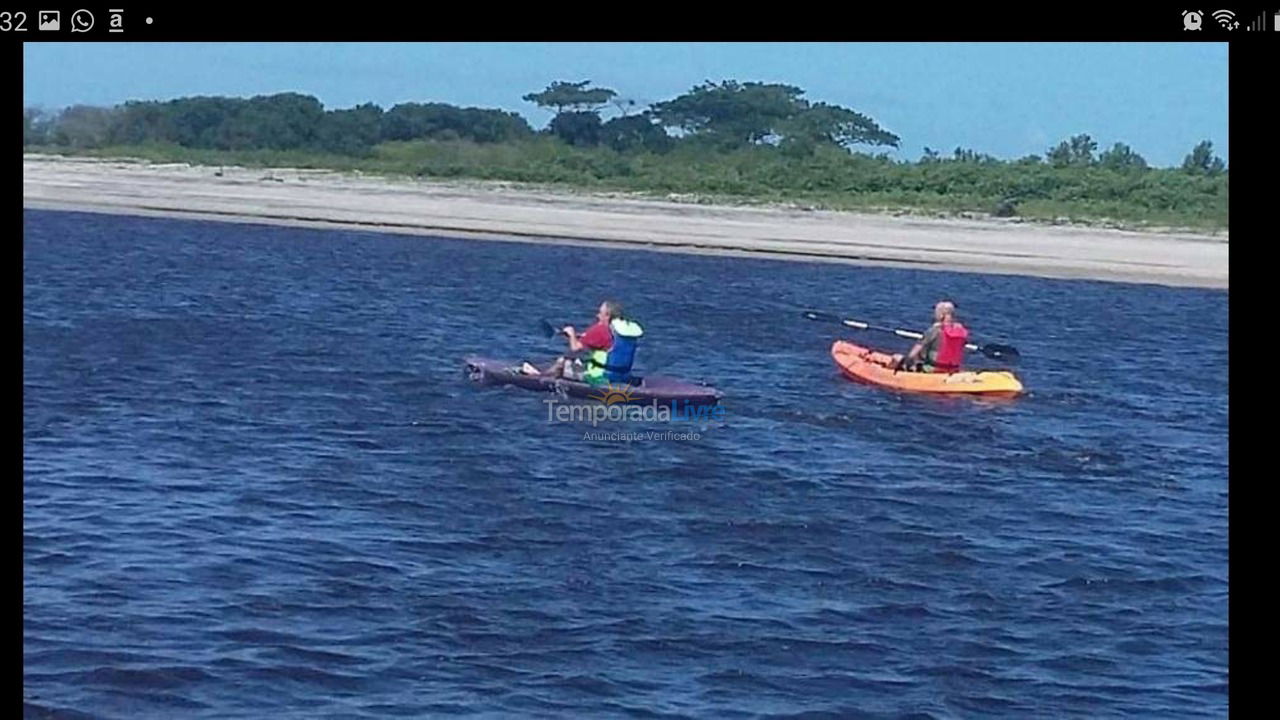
(914, 354)
(597, 337)
(930, 337)
(908, 359)
(575, 345)
(928, 342)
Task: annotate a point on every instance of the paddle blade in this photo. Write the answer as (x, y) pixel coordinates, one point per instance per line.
(1001, 352)
(548, 329)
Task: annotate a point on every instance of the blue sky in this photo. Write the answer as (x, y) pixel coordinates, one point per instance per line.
(1005, 99)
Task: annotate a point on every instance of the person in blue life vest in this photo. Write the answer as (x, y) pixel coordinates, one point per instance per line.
(607, 348)
(941, 349)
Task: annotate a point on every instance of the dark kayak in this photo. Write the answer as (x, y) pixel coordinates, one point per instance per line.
(644, 390)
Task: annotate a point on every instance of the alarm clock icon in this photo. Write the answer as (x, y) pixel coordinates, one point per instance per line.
(1191, 19)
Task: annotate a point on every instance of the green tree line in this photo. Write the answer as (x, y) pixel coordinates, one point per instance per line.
(753, 140)
(287, 121)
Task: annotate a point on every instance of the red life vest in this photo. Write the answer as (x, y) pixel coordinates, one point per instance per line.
(951, 340)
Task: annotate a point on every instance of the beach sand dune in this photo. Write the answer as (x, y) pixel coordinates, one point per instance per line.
(505, 212)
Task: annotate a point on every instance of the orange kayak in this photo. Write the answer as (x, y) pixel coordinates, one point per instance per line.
(871, 366)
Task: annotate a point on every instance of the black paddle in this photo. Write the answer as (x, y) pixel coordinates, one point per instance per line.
(994, 351)
(551, 330)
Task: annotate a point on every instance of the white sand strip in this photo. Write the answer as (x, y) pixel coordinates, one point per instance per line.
(503, 211)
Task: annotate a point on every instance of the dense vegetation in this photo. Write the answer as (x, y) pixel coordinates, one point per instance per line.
(721, 141)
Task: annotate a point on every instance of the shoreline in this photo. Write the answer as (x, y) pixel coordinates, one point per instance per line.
(503, 211)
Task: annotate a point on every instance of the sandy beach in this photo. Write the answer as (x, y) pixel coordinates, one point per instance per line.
(499, 211)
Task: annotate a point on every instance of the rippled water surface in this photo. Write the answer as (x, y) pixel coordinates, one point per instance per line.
(258, 484)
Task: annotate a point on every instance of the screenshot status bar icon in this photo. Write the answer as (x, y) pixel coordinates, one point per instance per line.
(1259, 24)
(1196, 20)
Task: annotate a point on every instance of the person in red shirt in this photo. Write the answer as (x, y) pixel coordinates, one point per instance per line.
(941, 350)
(597, 340)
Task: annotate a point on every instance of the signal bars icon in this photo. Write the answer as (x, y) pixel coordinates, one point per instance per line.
(1260, 23)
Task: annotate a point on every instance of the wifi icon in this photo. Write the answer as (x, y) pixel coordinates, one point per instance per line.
(1226, 19)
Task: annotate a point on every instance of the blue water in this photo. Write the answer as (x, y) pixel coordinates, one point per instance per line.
(258, 484)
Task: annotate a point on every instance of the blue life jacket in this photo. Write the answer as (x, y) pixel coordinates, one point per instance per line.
(626, 335)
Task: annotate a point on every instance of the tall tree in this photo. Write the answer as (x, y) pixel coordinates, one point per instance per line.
(350, 132)
(487, 126)
(733, 114)
(201, 122)
(144, 121)
(963, 155)
(414, 121)
(1202, 161)
(580, 128)
(577, 109)
(285, 121)
(575, 97)
(835, 125)
(36, 126)
(1121, 157)
(84, 126)
(1076, 152)
(636, 132)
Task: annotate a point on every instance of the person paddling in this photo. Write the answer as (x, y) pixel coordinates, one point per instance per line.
(609, 345)
(942, 347)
